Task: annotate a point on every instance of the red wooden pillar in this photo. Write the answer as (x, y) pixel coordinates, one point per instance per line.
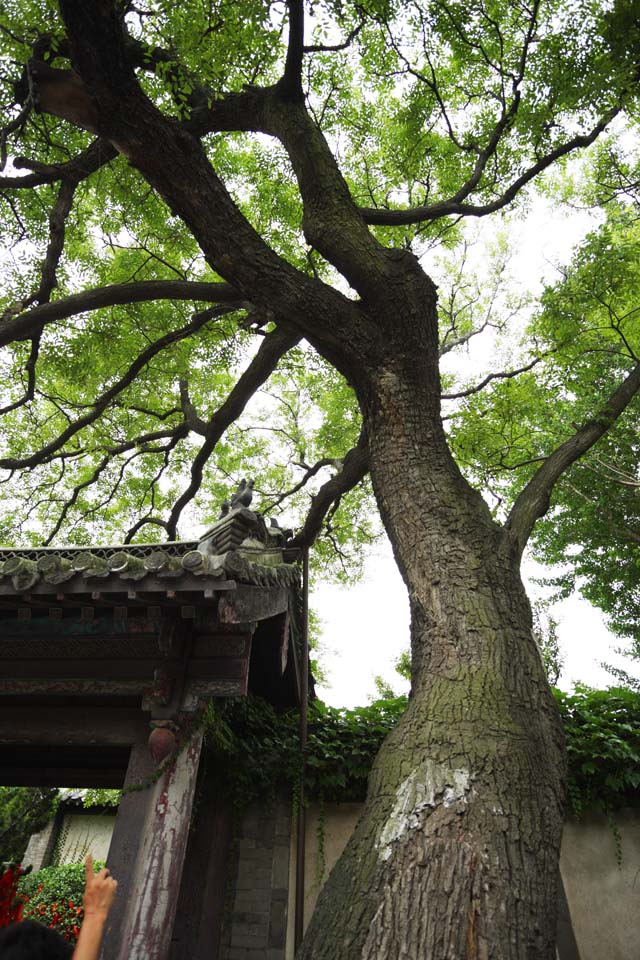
(147, 855)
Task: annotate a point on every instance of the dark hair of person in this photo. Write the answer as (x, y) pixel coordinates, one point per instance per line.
(32, 941)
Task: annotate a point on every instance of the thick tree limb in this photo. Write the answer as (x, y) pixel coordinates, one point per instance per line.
(62, 94)
(175, 164)
(272, 349)
(131, 123)
(455, 205)
(533, 501)
(355, 468)
(99, 153)
(49, 451)
(32, 322)
(290, 85)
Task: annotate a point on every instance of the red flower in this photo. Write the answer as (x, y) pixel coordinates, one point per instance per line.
(10, 903)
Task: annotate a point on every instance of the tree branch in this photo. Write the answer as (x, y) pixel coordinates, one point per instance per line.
(30, 367)
(230, 243)
(189, 412)
(48, 278)
(492, 376)
(290, 85)
(272, 349)
(47, 452)
(99, 153)
(309, 472)
(355, 467)
(335, 47)
(31, 323)
(533, 502)
(454, 206)
(16, 124)
(143, 522)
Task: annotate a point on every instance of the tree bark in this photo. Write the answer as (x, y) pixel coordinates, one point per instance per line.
(456, 854)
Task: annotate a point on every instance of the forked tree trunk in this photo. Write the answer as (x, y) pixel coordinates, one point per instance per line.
(456, 854)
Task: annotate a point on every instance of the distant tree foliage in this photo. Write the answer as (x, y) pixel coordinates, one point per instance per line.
(23, 811)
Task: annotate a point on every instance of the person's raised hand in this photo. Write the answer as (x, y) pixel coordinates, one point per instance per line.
(99, 891)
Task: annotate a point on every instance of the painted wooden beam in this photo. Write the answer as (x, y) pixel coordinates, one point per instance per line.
(111, 726)
(248, 604)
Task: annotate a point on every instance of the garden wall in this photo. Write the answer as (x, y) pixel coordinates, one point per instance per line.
(603, 897)
(71, 835)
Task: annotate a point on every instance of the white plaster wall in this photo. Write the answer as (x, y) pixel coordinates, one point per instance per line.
(603, 896)
(339, 822)
(86, 833)
(37, 847)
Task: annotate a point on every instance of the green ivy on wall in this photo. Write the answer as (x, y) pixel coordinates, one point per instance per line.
(257, 748)
(602, 728)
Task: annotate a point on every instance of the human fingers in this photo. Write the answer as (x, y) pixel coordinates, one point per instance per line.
(88, 868)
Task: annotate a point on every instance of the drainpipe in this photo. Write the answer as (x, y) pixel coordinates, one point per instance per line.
(304, 697)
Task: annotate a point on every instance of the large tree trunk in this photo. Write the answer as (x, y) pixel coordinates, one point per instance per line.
(456, 855)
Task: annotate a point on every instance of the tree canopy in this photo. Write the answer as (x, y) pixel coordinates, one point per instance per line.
(129, 359)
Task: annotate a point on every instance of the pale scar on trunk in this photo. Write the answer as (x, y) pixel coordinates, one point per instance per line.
(429, 784)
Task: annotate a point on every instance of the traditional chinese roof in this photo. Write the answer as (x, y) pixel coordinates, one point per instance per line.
(94, 640)
(229, 551)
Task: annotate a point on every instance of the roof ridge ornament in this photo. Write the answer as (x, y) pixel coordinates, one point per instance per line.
(238, 526)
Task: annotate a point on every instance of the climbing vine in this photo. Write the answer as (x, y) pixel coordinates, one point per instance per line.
(259, 749)
(602, 728)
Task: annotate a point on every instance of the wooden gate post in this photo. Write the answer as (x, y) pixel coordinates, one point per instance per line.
(125, 845)
(147, 855)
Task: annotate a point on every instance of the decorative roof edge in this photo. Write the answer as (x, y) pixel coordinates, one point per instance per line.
(239, 546)
(55, 569)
